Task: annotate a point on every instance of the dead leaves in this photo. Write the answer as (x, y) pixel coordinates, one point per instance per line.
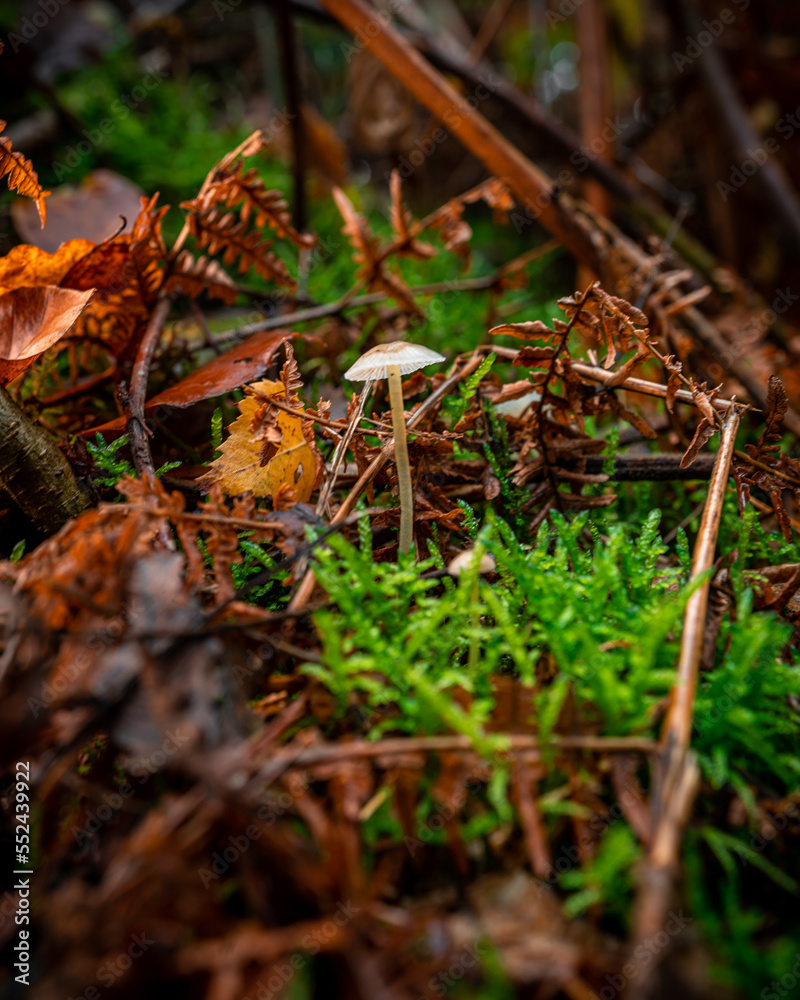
(237, 234)
(270, 452)
(20, 175)
(372, 257)
(770, 469)
(33, 320)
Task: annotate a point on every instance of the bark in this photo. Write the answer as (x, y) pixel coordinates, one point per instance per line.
(34, 473)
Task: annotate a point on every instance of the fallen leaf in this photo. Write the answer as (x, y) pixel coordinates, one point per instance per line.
(31, 321)
(239, 470)
(234, 368)
(29, 265)
(93, 210)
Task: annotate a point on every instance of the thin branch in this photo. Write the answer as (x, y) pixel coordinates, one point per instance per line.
(468, 125)
(137, 428)
(677, 772)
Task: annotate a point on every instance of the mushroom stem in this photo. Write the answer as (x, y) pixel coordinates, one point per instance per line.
(401, 459)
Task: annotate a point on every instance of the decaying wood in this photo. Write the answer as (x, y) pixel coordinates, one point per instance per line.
(34, 473)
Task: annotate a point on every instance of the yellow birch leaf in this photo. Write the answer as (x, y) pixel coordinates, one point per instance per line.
(237, 470)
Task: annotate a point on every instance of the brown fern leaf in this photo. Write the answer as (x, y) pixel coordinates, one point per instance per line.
(227, 234)
(148, 250)
(194, 277)
(497, 196)
(263, 206)
(406, 244)
(116, 314)
(290, 376)
(783, 474)
(777, 405)
(20, 175)
(368, 255)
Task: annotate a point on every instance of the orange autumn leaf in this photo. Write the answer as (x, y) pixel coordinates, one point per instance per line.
(293, 465)
(20, 175)
(33, 320)
(26, 265)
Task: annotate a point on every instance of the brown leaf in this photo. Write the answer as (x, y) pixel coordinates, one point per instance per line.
(673, 385)
(497, 196)
(705, 430)
(194, 277)
(703, 401)
(94, 210)
(239, 470)
(524, 331)
(638, 422)
(534, 357)
(20, 175)
(777, 405)
(622, 373)
(236, 367)
(33, 320)
(29, 265)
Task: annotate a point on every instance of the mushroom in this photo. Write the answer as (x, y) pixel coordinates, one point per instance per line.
(460, 562)
(463, 561)
(390, 361)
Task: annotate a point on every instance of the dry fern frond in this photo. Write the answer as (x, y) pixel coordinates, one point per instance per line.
(20, 175)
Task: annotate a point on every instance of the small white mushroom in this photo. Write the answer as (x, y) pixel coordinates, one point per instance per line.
(390, 361)
(464, 559)
(517, 407)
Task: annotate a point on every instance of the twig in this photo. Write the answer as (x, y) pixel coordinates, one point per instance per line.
(300, 414)
(677, 771)
(291, 79)
(351, 301)
(551, 370)
(397, 747)
(137, 429)
(341, 448)
(596, 374)
(471, 128)
(34, 472)
(702, 329)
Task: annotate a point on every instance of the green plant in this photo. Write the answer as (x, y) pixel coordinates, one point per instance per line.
(607, 878)
(108, 461)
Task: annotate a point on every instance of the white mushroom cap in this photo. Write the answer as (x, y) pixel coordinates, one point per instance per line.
(465, 558)
(516, 407)
(374, 364)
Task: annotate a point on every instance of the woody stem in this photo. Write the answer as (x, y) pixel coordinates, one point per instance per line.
(401, 460)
